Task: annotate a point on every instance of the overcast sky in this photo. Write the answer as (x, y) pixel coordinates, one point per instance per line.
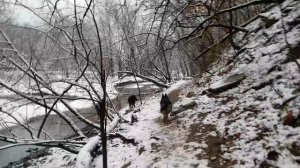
(21, 15)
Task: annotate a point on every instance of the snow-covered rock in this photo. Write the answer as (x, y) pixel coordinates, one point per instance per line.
(226, 83)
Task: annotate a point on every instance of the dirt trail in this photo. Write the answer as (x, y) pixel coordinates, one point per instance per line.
(183, 142)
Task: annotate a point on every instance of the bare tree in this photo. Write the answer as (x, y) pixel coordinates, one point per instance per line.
(64, 44)
(201, 28)
(77, 47)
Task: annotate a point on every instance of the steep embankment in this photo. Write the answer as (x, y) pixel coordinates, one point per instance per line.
(240, 124)
(256, 118)
(245, 115)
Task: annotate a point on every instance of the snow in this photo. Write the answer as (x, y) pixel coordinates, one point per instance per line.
(255, 123)
(57, 158)
(179, 85)
(238, 127)
(226, 82)
(24, 110)
(151, 135)
(84, 157)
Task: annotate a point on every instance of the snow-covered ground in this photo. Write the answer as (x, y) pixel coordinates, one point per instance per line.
(250, 116)
(242, 126)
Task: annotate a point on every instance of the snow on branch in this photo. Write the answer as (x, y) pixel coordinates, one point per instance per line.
(68, 145)
(145, 78)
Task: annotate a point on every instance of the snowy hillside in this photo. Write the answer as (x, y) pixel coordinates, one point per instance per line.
(249, 120)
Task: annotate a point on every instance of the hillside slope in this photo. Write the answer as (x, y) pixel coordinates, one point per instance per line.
(258, 119)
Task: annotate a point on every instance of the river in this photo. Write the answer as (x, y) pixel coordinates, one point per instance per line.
(58, 128)
(55, 126)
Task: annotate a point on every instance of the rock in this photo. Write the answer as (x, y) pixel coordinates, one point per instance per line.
(287, 100)
(269, 19)
(264, 164)
(155, 138)
(96, 151)
(174, 91)
(295, 91)
(272, 155)
(287, 9)
(133, 119)
(128, 111)
(294, 53)
(204, 92)
(190, 94)
(212, 158)
(290, 120)
(189, 105)
(141, 150)
(136, 110)
(131, 110)
(130, 87)
(295, 150)
(294, 23)
(226, 83)
(268, 22)
(174, 95)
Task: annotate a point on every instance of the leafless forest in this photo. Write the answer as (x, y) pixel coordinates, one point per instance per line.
(71, 49)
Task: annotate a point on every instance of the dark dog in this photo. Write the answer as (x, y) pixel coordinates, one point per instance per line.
(165, 106)
(131, 101)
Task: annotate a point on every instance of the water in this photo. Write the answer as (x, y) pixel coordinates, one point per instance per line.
(55, 126)
(14, 154)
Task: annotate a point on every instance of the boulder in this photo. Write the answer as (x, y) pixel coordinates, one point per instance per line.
(189, 104)
(226, 83)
